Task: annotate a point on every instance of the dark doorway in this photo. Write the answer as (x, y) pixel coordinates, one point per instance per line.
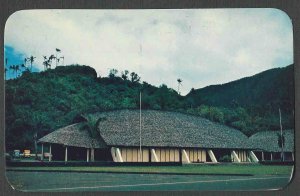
(58, 152)
(222, 155)
(103, 154)
(288, 156)
(76, 154)
(267, 156)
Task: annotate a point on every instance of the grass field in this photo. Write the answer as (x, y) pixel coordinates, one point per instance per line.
(247, 169)
(147, 178)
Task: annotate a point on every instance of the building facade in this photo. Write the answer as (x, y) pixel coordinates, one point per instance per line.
(151, 136)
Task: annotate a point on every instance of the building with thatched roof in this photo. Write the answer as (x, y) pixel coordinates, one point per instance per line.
(151, 136)
(267, 144)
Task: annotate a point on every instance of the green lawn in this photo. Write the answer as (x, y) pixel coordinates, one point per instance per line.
(253, 169)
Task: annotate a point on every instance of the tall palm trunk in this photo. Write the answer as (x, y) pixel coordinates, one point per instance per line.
(281, 135)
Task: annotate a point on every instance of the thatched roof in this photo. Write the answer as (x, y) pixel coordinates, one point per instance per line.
(73, 135)
(164, 129)
(268, 141)
(168, 129)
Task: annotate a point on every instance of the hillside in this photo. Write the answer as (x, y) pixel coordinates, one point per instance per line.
(256, 100)
(272, 88)
(39, 103)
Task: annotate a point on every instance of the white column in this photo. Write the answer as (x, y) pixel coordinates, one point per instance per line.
(271, 156)
(87, 155)
(154, 157)
(185, 157)
(253, 157)
(292, 156)
(113, 154)
(212, 156)
(119, 155)
(262, 156)
(116, 154)
(50, 154)
(235, 157)
(42, 157)
(66, 154)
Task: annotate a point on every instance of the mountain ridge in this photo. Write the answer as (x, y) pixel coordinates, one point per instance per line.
(247, 86)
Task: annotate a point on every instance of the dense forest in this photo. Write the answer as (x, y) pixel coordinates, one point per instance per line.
(38, 103)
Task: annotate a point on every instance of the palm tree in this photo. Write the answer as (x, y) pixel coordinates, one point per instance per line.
(179, 83)
(46, 64)
(51, 57)
(92, 125)
(31, 60)
(5, 73)
(57, 59)
(281, 139)
(25, 61)
(23, 66)
(13, 68)
(17, 69)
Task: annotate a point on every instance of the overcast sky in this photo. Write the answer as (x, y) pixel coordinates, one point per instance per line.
(200, 46)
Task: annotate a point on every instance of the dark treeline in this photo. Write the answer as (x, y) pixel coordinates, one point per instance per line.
(39, 103)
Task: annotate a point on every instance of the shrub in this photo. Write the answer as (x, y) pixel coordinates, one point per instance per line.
(225, 158)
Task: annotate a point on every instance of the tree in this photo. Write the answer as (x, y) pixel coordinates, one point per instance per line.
(128, 103)
(31, 60)
(163, 96)
(13, 68)
(124, 75)
(51, 57)
(281, 139)
(281, 143)
(112, 73)
(25, 61)
(37, 121)
(45, 62)
(134, 77)
(57, 59)
(23, 67)
(45, 65)
(5, 72)
(17, 70)
(179, 83)
(92, 124)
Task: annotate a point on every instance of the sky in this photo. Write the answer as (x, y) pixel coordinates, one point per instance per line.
(200, 46)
